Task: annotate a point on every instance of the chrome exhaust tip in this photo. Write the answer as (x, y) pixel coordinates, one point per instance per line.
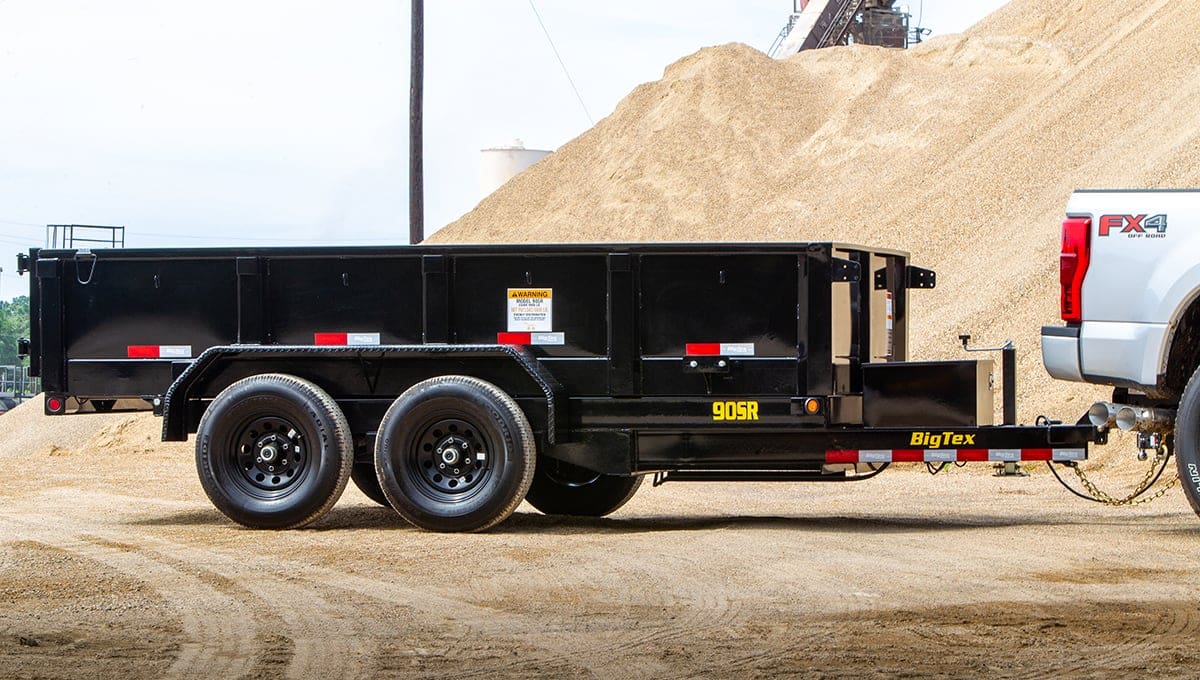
(1103, 414)
(1145, 419)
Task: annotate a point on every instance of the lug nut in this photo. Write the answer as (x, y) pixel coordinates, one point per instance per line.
(457, 471)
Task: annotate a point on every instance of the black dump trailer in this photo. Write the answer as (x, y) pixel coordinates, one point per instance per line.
(452, 382)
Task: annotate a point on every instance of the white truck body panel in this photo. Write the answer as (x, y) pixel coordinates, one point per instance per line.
(1130, 352)
(1144, 271)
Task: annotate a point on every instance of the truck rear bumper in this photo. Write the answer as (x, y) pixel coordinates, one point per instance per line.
(1060, 352)
(1107, 352)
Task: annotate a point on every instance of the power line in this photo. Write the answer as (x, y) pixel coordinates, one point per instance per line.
(561, 62)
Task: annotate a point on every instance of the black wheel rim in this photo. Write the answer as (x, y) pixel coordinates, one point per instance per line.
(270, 456)
(450, 459)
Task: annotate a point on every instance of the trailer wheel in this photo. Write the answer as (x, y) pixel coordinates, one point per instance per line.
(564, 489)
(367, 481)
(273, 452)
(1187, 441)
(455, 453)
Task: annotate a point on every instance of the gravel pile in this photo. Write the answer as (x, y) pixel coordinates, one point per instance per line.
(962, 151)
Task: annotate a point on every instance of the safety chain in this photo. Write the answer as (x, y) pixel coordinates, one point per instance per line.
(1133, 498)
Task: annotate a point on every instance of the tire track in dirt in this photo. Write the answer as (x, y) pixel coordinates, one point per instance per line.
(219, 634)
(583, 653)
(325, 643)
(701, 610)
(225, 604)
(595, 633)
(473, 622)
(1173, 620)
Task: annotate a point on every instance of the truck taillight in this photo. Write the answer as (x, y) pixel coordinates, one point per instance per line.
(1073, 265)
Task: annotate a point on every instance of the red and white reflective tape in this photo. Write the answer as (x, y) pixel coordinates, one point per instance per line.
(531, 339)
(159, 351)
(952, 455)
(720, 349)
(346, 339)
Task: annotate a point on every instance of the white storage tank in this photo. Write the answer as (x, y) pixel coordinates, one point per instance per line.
(502, 163)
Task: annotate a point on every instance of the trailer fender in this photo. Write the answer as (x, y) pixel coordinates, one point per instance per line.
(185, 395)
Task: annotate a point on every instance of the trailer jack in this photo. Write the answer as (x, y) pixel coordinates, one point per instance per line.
(1009, 470)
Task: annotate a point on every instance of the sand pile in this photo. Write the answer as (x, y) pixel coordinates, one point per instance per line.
(27, 431)
(962, 151)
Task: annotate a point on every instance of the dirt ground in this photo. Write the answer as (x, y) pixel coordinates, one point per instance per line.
(113, 564)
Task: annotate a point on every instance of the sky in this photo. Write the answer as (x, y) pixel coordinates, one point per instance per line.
(254, 122)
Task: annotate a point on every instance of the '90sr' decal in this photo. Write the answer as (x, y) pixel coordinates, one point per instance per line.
(735, 410)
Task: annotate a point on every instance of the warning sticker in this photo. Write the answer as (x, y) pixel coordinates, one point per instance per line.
(530, 309)
(891, 323)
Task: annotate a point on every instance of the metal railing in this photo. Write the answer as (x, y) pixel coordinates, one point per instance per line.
(69, 236)
(16, 383)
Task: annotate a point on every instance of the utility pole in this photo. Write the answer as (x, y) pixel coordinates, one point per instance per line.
(416, 105)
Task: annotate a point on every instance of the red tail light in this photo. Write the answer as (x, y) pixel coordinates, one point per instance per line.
(1073, 265)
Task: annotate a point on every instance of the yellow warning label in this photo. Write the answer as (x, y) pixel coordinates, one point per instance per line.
(530, 293)
(530, 310)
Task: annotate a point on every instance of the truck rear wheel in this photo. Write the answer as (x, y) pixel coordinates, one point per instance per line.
(563, 489)
(455, 453)
(273, 451)
(1187, 441)
(364, 477)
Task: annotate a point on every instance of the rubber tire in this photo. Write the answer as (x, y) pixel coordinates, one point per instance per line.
(367, 481)
(310, 410)
(591, 495)
(494, 414)
(1187, 441)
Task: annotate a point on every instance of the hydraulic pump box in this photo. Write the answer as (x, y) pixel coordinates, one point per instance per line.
(928, 393)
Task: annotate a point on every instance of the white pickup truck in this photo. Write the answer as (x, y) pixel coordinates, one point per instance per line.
(1130, 274)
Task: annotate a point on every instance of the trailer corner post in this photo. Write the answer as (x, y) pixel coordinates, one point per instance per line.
(416, 107)
(1009, 359)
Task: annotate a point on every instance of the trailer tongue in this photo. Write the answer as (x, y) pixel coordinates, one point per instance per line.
(452, 382)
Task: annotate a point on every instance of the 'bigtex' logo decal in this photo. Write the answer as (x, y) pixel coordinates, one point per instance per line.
(929, 440)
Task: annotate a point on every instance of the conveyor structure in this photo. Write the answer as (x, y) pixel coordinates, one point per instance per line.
(814, 24)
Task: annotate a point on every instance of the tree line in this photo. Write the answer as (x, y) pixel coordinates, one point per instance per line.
(14, 324)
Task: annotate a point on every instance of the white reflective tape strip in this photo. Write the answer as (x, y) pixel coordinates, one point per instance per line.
(360, 339)
(1070, 454)
(175, 351)
(547, 339)
(953, 455)
(875, 456)
(737, 349)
